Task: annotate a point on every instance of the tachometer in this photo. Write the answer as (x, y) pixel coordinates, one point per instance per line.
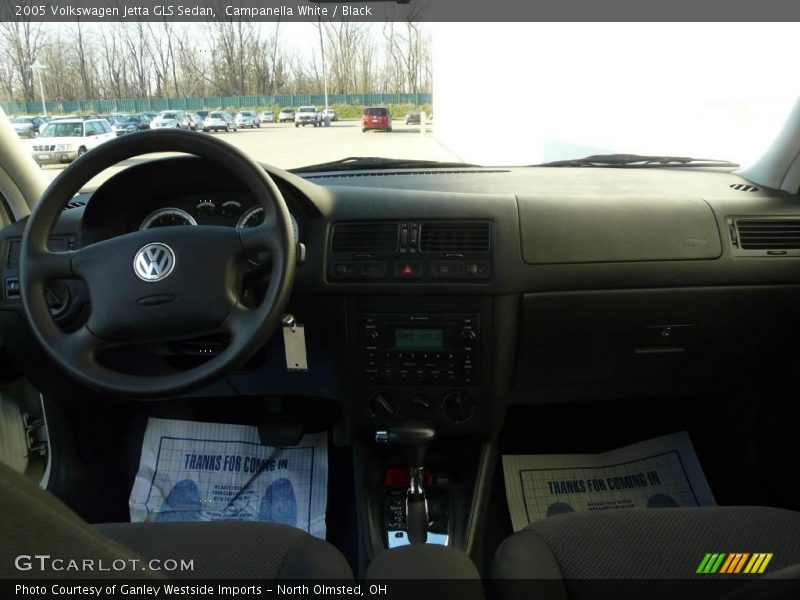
(167, 217)
(255, 216)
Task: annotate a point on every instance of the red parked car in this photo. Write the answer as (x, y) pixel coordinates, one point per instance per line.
(376, 117)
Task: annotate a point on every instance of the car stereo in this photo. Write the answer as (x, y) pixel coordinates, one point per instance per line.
(429, 349)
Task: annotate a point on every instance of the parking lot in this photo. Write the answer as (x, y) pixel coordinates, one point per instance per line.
(286, 146)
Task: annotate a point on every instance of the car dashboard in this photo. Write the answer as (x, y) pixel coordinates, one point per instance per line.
(447, 294)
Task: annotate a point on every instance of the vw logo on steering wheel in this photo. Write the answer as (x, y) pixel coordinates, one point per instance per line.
(154, 262)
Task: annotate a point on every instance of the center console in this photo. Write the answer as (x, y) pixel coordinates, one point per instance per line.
(419, 363)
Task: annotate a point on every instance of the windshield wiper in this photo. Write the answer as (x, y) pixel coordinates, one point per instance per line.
(637, 160)
(359, 163)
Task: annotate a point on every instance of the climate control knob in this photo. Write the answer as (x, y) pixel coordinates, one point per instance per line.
(457, 407)
(383, 405)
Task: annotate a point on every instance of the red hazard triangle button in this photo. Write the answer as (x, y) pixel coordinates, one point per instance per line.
(408, 269)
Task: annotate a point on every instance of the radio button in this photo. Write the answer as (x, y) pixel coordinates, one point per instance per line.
(469, 335)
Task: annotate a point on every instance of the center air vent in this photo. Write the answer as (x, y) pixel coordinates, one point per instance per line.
(365, 237)
(455, 237)
(767, 235)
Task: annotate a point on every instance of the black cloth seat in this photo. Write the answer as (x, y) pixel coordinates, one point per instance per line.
(34, 522)
(580, 553)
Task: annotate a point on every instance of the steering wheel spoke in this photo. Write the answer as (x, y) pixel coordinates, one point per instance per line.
(83, 345)
(238, 322)
(263, 237)
(52, 265)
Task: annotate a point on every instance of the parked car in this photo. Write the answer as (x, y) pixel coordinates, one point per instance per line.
(286, 115)
(27, 127)
(145, 118)
(131, 124)
(329, 113)
(247, 118)
(193, 121)
(200, 118)
(113, 120)
(219, 119)
(412, 118)
(170, 119)
(307, 115)
(266, 116)
(64, 140)
(376, 117)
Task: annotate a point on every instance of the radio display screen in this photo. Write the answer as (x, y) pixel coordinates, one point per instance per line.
(418, 338)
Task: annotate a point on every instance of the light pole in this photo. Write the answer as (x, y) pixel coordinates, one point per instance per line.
(324, 67)
(38, 67)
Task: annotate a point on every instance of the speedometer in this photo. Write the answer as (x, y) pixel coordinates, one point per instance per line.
(167, 217)
(255, 217)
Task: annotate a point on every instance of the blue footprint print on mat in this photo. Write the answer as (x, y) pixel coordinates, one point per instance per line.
(182, 503)
(279, 504)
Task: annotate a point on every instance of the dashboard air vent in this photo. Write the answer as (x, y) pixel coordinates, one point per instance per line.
(75, 204)
(365, 237)
(768, 234)
(455, 237)
(744, 187)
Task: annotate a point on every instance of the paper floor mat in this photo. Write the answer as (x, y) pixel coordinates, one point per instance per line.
(659, 472)
(191, 471)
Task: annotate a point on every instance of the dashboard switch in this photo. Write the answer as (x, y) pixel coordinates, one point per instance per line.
(373, 270)
(344, 270)
(444, 269)
(478, 269)
(408, 269)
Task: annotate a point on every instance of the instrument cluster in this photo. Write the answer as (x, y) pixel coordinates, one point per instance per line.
(232, 209)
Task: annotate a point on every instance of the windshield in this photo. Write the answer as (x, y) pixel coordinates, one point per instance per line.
(21, 120)
(504, 94)
(63, 130)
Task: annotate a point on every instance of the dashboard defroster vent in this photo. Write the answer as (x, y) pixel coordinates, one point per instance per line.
(365, 237)
(455, 237)
(744, 187)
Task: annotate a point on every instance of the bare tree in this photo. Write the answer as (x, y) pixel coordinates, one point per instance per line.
(139, 59)
(86, 84)
(136, 43)
(24, 43)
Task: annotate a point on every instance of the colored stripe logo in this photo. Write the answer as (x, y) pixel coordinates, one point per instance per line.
(734, 563)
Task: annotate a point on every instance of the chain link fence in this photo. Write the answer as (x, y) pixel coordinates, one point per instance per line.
(134, 105)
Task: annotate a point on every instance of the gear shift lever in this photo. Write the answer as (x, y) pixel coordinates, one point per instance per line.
(414, 440)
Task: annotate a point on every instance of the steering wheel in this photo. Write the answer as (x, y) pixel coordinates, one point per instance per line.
(159, 284)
